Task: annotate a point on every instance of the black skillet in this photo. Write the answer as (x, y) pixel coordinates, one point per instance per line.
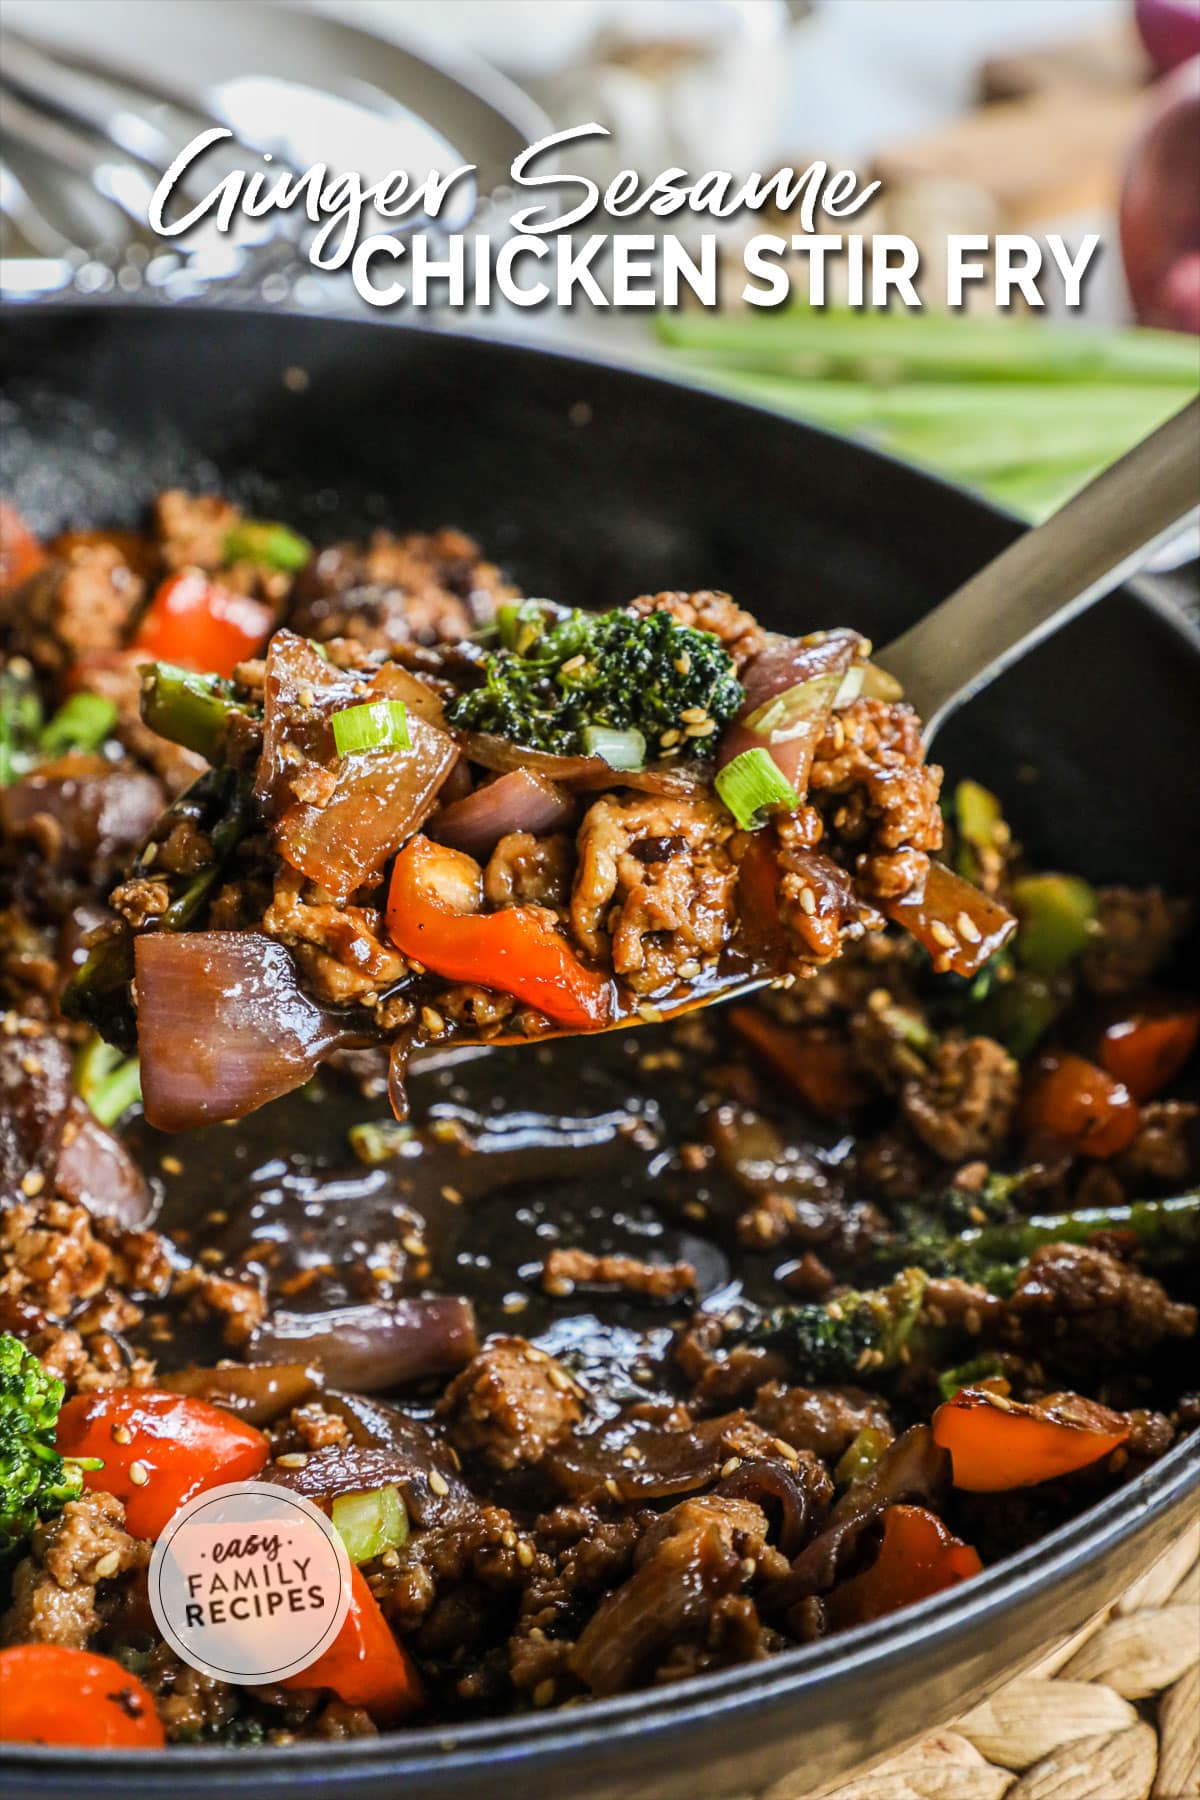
(592, 485)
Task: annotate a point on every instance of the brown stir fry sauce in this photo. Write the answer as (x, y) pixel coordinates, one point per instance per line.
(674, 1347)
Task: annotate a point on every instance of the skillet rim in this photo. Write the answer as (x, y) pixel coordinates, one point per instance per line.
(442, 1753)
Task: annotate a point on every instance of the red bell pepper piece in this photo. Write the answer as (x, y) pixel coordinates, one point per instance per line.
(1147, 1050)
(758, 900)
(996, 1443)
(818, 1068)
(365, 1666)
(1070, 1098)
(158, 1449)
(53, 1694)
(200, 624)
(918, 1557)
(21, 555)
(517, 950)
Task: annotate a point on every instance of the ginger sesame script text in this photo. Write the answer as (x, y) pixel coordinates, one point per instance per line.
(549, 254)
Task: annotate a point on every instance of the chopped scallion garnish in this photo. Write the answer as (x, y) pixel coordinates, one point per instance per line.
(266, 542)
(81, 723)
(619, 749)
(376, 725)
(378, 1142)
(753, 784)
(107, 1081)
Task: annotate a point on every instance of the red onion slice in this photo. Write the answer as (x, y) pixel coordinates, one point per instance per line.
(791, 687)
(375, 1346)
(518, 801)
(582, 772)
(381, 797)
(222, 1026)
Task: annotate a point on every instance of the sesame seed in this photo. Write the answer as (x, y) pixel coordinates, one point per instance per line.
(31, 1065)
(670, 737)
(107, 1565)
(543, 1693)
(788, 1451)
(612, 1488)
(170, 1165)
(413, 1244)
(438, 1484)
(683, 663)
(451, 1196)
(515, 1303)
(651, 1014)
(748, 1567)
(727, 1468)
(967, 928)
(942, 934)
(573, 665)
(560, 1380)
(390, 1560)
(701, 731)
(525, 1553)
(689, 970)
(693, 715)
(306, 697)
(808, 901)
(11, 1024)
(432, 1020)
(33, 1183)
(139, 1474)
(121, 1434)
(294, 1459)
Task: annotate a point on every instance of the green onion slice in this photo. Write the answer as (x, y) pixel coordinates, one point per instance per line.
(266, 542)
(371, 1523)
(378, 1142)
(753, 784)
(619, 749)
(376, 725)
(81, 723)
(108, 1082)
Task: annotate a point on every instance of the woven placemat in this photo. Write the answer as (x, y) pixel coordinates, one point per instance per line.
(1112, 1713)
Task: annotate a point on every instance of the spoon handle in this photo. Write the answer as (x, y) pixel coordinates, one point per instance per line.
(1104, 534)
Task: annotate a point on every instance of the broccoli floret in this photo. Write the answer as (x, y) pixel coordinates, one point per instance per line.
(854, 1335)
(35, 1481)
(555, 675)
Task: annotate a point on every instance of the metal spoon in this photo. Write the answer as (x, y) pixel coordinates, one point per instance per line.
(1112, 528)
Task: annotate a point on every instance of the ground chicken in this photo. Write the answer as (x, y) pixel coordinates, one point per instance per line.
(1166, 1149)
(527, 871)
(1136, 931)
(78, 607)
(54, 1590)
(1075, 1307)
(962, 1103)
(426, 589)
(564, 1270)
(654, 887)
(877, 795)
(340, 948)
(509, 1405)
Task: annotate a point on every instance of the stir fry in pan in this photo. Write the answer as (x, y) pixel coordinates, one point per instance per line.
(614, 1356)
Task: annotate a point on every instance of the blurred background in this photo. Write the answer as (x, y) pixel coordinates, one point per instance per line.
(978, 116)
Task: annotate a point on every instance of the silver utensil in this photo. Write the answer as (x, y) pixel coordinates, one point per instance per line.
(1110, 530)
